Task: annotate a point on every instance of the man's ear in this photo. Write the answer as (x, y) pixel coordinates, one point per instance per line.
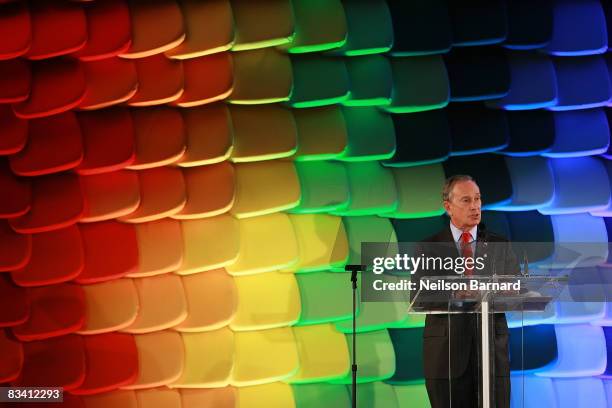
(447, 207)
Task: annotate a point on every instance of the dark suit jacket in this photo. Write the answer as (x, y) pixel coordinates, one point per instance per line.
(461, 328)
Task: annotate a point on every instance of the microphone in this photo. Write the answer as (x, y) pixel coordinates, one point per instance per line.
(526, 262)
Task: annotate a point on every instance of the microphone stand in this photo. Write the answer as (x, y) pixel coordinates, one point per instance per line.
(354, 269)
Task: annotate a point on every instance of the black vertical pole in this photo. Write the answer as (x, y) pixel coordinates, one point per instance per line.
(354, 269)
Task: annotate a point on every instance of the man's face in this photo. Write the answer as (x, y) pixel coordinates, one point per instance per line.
(463, 205)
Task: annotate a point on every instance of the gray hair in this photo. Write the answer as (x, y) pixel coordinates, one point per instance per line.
(450, 183)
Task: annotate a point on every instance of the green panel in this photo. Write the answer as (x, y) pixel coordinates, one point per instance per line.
(408, 346)
(321, 395)
(412, 320)
(419, 84)
(325, 296)
(364, 90)
(366, 229)
(318, 81)
(376, 357)
(322, 133)
(413, 395)
(372, 189)
(418, 191)
(319, 25)
(370, 29)
(324, 187)
(376, 395)
(370, 133)
(376, 315)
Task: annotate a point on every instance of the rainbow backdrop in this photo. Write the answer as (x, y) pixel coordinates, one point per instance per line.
(183, 181)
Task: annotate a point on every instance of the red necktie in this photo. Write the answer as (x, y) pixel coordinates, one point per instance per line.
(466, 250)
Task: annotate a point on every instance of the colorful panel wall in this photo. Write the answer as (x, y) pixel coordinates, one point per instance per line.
(183, 181)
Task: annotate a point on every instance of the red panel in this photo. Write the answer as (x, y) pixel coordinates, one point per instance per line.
(14, 306)
(55, 310)
(109, 30)
(58, 85)
(15, 30)
(160, 137)
(11, 357)
(15, 80)
(58, 362)
(57, 256)
(70, 401)
(149, 36)
(207, 79)
(111, 251)
(108, 139)
(14, 131)
(54, 145)
(57, 202)
(15, 192)
(16, 249)
(58, 28)
(160, 80)
(109, 82)
(112, 362)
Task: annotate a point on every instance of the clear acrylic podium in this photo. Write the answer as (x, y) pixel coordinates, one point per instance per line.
(479, 308)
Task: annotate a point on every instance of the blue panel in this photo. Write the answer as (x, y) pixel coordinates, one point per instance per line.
(581, 184)
(582, 83)
(533, 82)
(580, 133)
(608, 211)
(580, 392)
(532, 347)
(532, 184)
(579, 28)
(581, 351)
(529, 391)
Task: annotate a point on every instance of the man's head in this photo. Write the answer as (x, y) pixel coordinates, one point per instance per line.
(461, 197)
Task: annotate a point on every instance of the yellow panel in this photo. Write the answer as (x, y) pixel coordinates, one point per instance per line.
(209, 243)
(262, 23)
(265, 187)
(160, 247)
(324, 354)
(264, 356)
(322, 241)
(275, 395)
(209, 28)
(160, 359)
(209, 398)
(158, 398)
(109, 306)
(212, 300)
(267, 243)
(123, 399)
(261, 76)
(209, 358)
(263, 133)
(162, 303)
(266, 300)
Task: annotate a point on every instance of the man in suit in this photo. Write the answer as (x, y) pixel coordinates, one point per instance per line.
(451, 342)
